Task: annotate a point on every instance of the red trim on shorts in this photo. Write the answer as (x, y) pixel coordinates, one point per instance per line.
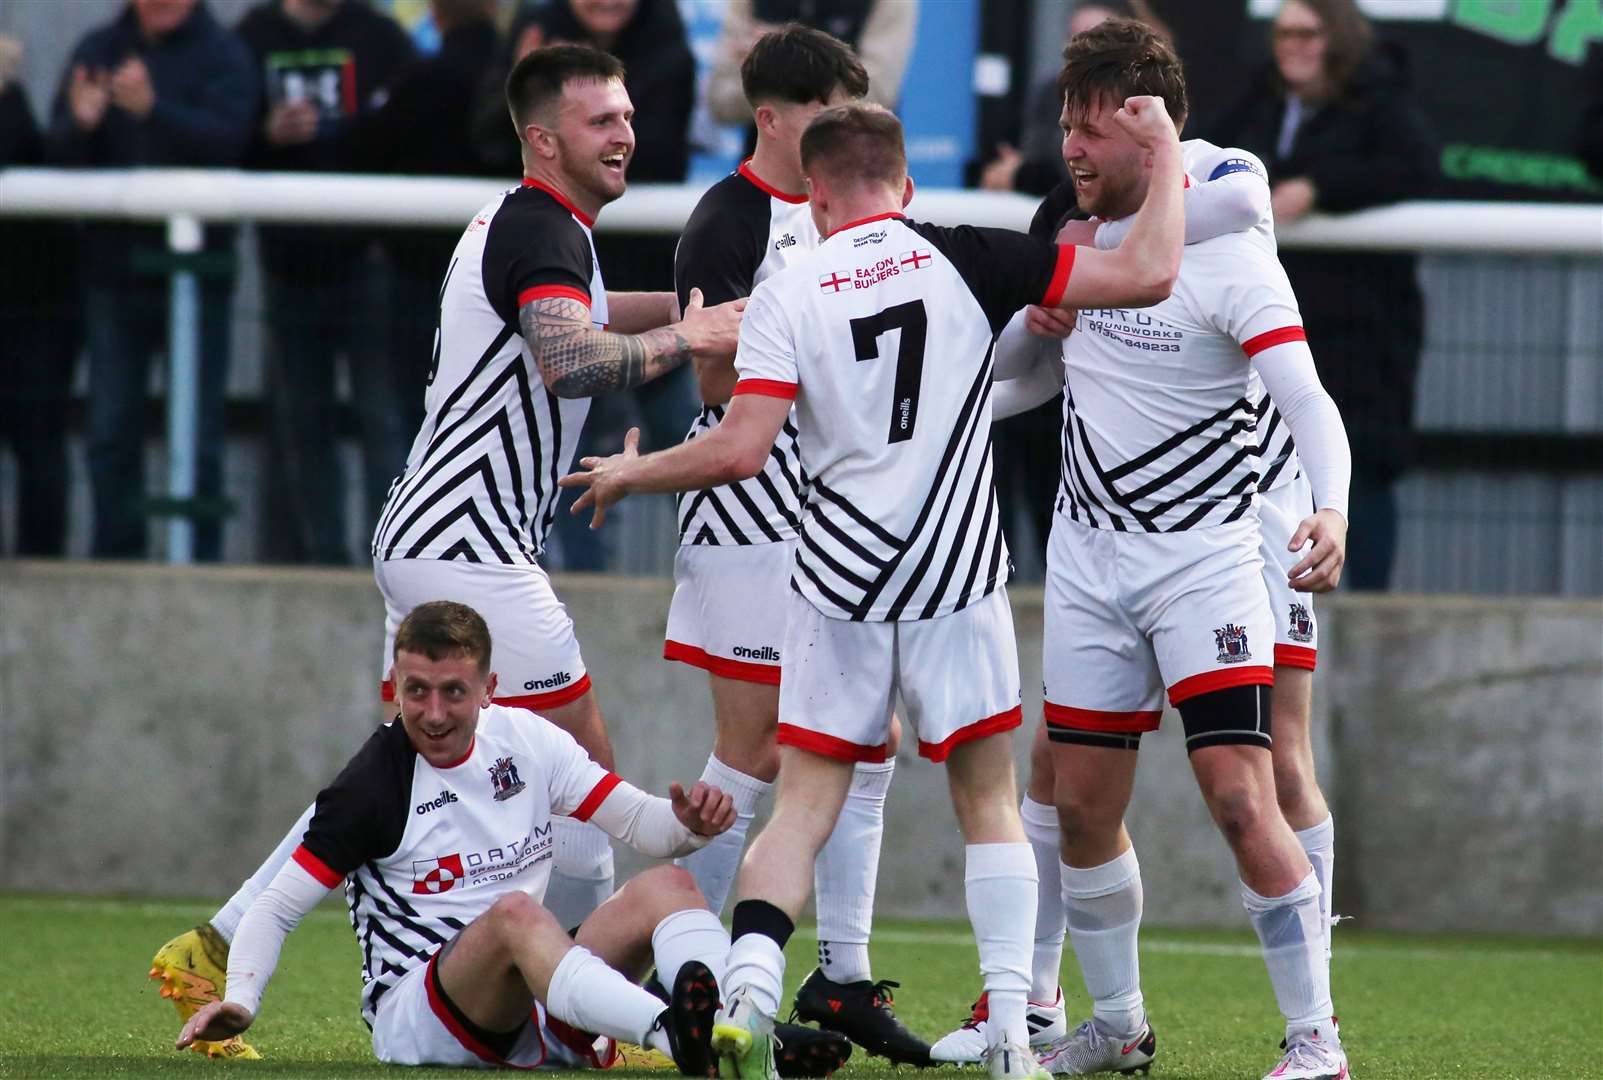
(549, 292)
(1295, 656)
(829, 746)
(598, 795)
(1060, 276)
(1221, 679)
(589, 222)
(1124, 723)
(461, 1034)
(762, 185)
(1270, 338)
(1002, 721)
(581, 1043)
(767, 388)
(316, 867)
(551, 699)
(723, 667)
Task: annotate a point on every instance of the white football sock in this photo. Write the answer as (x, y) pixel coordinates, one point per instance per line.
(846, 872)
(1103, 907)
(1294, 951)
(999, 885)
(758, 963)
(692, 934)
(591, 996)
(226, 921)
(1319, 842)
(581, 872)
(1041, 829)
(714, 866)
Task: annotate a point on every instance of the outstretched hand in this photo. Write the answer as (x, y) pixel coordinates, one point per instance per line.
(711, 332)
(1320, 569)
(604, 479)
(705, 810)
(216, 1021)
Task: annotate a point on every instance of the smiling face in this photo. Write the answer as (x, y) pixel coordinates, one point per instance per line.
(440, 702)
(594, 138)
(1299, 41)
(1108, 167)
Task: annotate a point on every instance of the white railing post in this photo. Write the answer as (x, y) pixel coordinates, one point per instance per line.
(184, 240)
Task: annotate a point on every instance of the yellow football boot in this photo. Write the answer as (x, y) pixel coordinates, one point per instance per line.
(630, 1056)
(193, 970)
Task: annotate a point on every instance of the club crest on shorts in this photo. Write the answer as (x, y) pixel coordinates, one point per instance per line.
(1300, 626)
(504, 779)
(1232, 643)
(436, 875)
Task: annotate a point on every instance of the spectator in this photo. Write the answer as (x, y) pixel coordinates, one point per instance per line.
(1036, 166)
(1333, 119)
(164, 84)
(1589, 134)
(880, 30)
(424, 128)
(323, 65)
(38, 337)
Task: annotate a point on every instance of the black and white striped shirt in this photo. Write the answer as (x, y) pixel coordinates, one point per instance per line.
(481, 479)
(883, 338)
(425, 850)
(741, 233)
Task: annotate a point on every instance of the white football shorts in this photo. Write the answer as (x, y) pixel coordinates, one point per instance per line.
(417, 1025)
(958, 677)
(1280, 511)
(1129, 615)
(728, 610)
(533, 650)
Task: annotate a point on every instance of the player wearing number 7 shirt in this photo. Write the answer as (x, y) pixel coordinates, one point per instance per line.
(883, 339)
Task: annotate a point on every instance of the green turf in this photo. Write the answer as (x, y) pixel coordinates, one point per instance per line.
(75, 1002)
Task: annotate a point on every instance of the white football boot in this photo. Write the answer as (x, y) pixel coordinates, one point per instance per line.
(966, 1045)
(1093, 1049)
(1311, 1054)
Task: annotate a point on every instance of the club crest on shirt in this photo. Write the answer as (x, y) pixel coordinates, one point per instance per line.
(504, 779)
(1300, 626)
(1231, 641)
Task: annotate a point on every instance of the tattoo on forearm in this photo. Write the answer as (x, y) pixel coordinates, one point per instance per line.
(577, 360)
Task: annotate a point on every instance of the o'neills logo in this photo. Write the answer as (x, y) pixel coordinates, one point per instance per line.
(767, 652)
(445, 799)
(561, 678)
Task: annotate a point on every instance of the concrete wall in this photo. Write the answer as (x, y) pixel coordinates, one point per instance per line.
(159, 729)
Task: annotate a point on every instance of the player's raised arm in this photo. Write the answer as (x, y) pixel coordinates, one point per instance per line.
(1142, 270)
(1232, 197)
(576, 360)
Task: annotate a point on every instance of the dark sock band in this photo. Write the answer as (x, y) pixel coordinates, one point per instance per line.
(761, 917)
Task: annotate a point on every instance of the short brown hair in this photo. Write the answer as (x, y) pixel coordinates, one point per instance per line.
(441, 629)
(800, 65)
(1122, 58)
(536, 81)
(859, 142)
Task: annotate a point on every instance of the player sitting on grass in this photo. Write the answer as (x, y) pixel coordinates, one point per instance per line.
(440, 828)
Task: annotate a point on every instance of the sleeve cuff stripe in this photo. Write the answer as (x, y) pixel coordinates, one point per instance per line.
(548, 292)
(1060, 276)
(767, 387)
(317, 868)
(598, 795)
(1269, 339)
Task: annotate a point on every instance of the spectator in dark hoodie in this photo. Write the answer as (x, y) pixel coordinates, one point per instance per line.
(323, 66)
(164, 84)
(1333, 118)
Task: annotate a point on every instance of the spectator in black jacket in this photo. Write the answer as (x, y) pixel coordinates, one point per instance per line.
(323, 65)
(163, 84)
(1333, 119)
(424, 128)
(1589, 134)
(38, 336)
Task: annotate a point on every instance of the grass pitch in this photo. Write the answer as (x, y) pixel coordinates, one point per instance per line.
(75, 1001)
